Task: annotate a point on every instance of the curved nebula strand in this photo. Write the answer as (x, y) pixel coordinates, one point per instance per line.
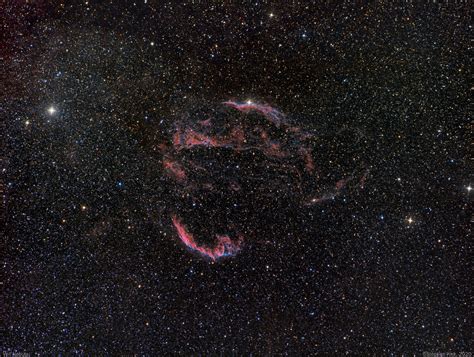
(272, 114)
(223, 248)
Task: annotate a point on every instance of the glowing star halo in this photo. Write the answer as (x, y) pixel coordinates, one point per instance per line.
(51, 110)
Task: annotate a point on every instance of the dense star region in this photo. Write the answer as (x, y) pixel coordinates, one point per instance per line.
(246, 160)
(216, 178)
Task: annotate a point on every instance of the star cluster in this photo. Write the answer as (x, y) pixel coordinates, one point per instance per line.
(99, 198)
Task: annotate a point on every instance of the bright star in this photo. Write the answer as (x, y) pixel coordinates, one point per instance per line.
(51, 110)
(469, 188)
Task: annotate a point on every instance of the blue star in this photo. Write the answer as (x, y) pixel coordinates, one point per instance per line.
(120, 184)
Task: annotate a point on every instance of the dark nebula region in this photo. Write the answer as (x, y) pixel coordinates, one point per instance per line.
(251, 160)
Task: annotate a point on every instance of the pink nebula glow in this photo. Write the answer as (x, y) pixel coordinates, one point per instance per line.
(174, 169)
(224, 247)
(292, 154)
(308, 159)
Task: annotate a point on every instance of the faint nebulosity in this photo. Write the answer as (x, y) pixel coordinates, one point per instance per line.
(219, 178)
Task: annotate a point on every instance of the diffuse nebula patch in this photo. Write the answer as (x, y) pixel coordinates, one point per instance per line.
(239, 161)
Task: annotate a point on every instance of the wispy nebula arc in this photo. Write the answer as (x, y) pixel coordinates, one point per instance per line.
(224, 247)
(174, 169)
(266, 110)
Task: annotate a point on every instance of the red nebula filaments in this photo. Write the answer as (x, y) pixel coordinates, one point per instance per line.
(244, 136)
(224, 247)
(174, 169)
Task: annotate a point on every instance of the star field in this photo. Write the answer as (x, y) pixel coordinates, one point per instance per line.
(217, 178)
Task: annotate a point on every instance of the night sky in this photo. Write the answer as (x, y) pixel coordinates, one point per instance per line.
(220, 178)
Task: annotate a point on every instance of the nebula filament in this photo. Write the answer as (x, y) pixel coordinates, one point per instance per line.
(253, 157)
